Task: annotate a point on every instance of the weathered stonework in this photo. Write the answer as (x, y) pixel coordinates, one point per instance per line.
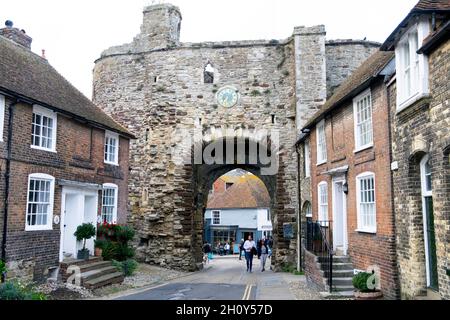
(155, 87)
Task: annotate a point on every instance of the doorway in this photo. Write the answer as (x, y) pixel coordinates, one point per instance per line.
(78, 206)
(339, 218)
(428, 224)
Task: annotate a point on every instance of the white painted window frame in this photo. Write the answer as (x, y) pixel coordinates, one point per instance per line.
(307, 160)
(49, 114)
(49, 225)
(321, 147)
(321, 215)
(358, 146)
(212, 217)
(2, 116)
(308, 210)
(420, 88)
(115, 187)
(361, 228)
(111, 135)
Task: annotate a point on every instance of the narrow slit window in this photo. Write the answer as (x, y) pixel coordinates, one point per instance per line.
(208, 73)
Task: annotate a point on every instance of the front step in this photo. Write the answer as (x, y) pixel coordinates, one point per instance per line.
(105, 280)
(95, 272)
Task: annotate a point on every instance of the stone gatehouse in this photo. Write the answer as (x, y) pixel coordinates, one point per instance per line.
(159, 87)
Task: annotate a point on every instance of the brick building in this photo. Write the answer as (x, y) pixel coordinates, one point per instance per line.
(420, 113)
(349, 172)
(63, 162)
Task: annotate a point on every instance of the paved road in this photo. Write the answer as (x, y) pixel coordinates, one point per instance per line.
(224, 278)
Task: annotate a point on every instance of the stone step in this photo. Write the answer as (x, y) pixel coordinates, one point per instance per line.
(105, 280)
(70, 262)
(336, 259)
(338, 295)
(95, 266)
(340, 288)
(96, 273)
(339, 273)
(342, 282)
(339, 266)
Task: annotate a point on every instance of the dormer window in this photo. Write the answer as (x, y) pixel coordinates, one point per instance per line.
(208, 73)
(412, 68)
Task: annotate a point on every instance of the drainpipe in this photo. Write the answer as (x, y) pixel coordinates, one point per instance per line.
(299, 220)
(7, 175)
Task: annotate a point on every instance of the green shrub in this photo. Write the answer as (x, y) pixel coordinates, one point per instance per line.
(125, 234)
(2, 267)
(84, 232)
(117, 251)
(127, 267)
(100, 243)
(360, 282)
(13, 290)
(109, 251)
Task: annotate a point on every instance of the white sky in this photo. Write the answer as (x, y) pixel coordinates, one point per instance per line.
(74, 33)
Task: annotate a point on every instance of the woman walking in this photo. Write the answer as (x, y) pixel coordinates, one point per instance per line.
(263, 252)
(250, 248)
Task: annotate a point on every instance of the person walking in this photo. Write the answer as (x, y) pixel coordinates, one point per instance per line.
(250, 248)
(207, 252)
(241, 248)
(263, 251)
(227, 248)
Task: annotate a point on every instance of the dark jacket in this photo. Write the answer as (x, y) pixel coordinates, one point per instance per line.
(260, 251)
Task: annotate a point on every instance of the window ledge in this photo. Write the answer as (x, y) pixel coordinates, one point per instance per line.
(363, 148)
(112, 164)
(43, 149)
(40, 228)
(417, 99)
(367, 231)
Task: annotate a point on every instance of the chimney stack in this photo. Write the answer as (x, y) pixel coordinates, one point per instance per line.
(16, 35)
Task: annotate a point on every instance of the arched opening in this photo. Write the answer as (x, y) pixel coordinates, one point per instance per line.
(207, 173)
(208, 73)
(238, 206)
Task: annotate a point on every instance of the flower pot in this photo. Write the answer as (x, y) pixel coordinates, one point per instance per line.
(98, 252)
(83, 254)
(368, 295)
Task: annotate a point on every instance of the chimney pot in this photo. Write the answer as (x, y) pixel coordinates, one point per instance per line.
(9, 23)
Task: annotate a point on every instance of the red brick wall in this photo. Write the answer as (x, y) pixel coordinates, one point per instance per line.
(364, 249)
(312, 271)
(79, 157)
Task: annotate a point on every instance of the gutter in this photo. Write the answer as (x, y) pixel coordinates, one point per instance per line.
(7, 176)
(299, 208)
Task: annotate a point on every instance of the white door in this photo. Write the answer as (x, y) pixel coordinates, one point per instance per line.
(73, 207)
(339, 218)
(78, 206)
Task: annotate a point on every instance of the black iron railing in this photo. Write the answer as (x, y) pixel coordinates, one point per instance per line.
(319, 240)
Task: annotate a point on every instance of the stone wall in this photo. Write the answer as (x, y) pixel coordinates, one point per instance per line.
(344, 57)
(421, 129)
(156, 89)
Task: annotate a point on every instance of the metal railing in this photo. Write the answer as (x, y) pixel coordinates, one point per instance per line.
(319, 240)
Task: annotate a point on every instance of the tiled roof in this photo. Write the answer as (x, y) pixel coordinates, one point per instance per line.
(247, 192)
(27, 75)
(422, 7)
(353, 85)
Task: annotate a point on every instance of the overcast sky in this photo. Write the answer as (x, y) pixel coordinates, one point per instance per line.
(74, 33)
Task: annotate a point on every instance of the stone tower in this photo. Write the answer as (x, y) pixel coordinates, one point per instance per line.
(158, 87)
(160, 29)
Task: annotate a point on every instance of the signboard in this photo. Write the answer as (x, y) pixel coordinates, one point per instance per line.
(288, 231)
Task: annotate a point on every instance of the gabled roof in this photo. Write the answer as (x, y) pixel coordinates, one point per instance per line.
(353, 85)
(248, 192)
(422, 7)
(28, 76)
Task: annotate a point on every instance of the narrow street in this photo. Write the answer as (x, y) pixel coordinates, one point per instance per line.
(224, 278)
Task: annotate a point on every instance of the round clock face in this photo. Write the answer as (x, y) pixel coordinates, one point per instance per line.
(227, 97)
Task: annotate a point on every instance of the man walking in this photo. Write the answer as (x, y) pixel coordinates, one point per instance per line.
(241, 248)
(250, 248)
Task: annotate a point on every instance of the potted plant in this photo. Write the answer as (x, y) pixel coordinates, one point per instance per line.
(365, 285)
(84, 232)
(99, 244)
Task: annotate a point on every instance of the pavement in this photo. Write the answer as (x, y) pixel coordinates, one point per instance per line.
(223, 278)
